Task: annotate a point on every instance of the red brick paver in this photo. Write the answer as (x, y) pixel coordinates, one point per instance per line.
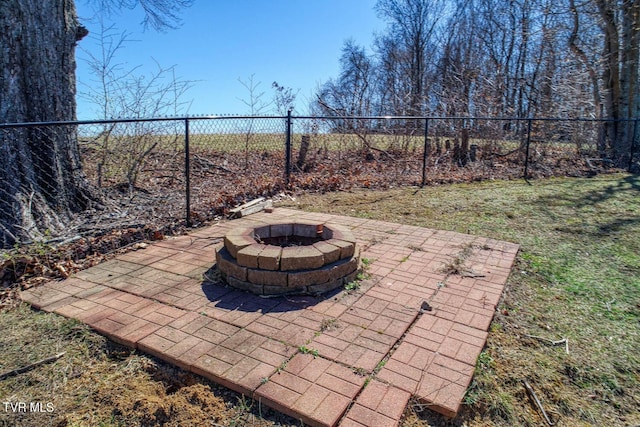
(350, 358)
(313, 389)
(379, 405)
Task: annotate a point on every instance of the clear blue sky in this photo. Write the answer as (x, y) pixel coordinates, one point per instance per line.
(294, 42)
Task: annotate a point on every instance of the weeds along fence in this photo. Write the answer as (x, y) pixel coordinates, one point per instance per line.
(170, 172)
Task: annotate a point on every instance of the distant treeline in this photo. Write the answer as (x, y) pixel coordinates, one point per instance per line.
(496, 58)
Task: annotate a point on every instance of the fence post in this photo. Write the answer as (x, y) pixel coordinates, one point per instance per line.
(526, 155)
(287, 153)
(187, 173)
(425, 153)
(633, 144)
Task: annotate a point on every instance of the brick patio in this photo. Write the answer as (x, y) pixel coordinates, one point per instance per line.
(350, 358)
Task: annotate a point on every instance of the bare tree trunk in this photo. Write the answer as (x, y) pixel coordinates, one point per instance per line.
(621, 73)
(414, 25)
(40, 170)
(582, 56)
(304, 149)
(629, 74)
(610, 74)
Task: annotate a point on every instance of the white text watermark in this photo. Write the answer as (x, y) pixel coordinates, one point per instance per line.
(28, 407)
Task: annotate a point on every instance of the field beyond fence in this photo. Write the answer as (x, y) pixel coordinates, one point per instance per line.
(171, 172)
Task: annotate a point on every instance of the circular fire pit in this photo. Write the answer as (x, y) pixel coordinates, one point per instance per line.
(284, 258)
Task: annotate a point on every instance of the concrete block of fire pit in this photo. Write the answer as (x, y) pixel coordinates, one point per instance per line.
(266, 277)
(228, 265)
(330, 252)
(307, 229)
(280, 290)
(281, 230)
(248, 256)
(328, 273)
(300, 279)
(338, 232)
(269, 258)
(263, 232)
(343, 268)
(245, 286)
(236, 242)
(346, 248)
(301, 258)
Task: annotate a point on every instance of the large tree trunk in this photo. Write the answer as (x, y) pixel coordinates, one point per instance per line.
(629, 73)
(620, 73)
(40, 170)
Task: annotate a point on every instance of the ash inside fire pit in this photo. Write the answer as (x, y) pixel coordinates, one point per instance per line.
(289, 241)
(285, 258)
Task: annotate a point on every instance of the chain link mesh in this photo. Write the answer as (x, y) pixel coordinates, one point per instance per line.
(234, 160)
(138, 168)
(141, 173)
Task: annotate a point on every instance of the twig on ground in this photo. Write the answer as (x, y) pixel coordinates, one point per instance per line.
(608, 304)
(210, 164)
(564, 341)
(471, 273)
(31, 366)
(533, 396)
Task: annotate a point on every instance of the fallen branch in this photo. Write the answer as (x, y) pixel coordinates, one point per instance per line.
(494, 154)
(471, 273)
(31, 366)
(533, 396)
(588, 162)
(564, 341)
(210, 164)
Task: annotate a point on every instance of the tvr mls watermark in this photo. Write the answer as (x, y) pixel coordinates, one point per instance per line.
(29, 407)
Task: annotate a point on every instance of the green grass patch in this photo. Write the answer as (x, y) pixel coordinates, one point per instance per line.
(577, 276)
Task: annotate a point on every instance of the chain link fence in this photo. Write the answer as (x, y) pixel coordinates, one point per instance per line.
(138, 169)
(232, 160)
(168, 173)
(337, 153)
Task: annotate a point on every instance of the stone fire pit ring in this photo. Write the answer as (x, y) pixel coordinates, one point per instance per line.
(301, 257)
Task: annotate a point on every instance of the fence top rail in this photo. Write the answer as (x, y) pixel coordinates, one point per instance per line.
(524, 119)
(332, 118)
(88, 122)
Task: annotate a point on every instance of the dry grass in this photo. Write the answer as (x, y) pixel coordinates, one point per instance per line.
(577, 276)
(99, 383)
